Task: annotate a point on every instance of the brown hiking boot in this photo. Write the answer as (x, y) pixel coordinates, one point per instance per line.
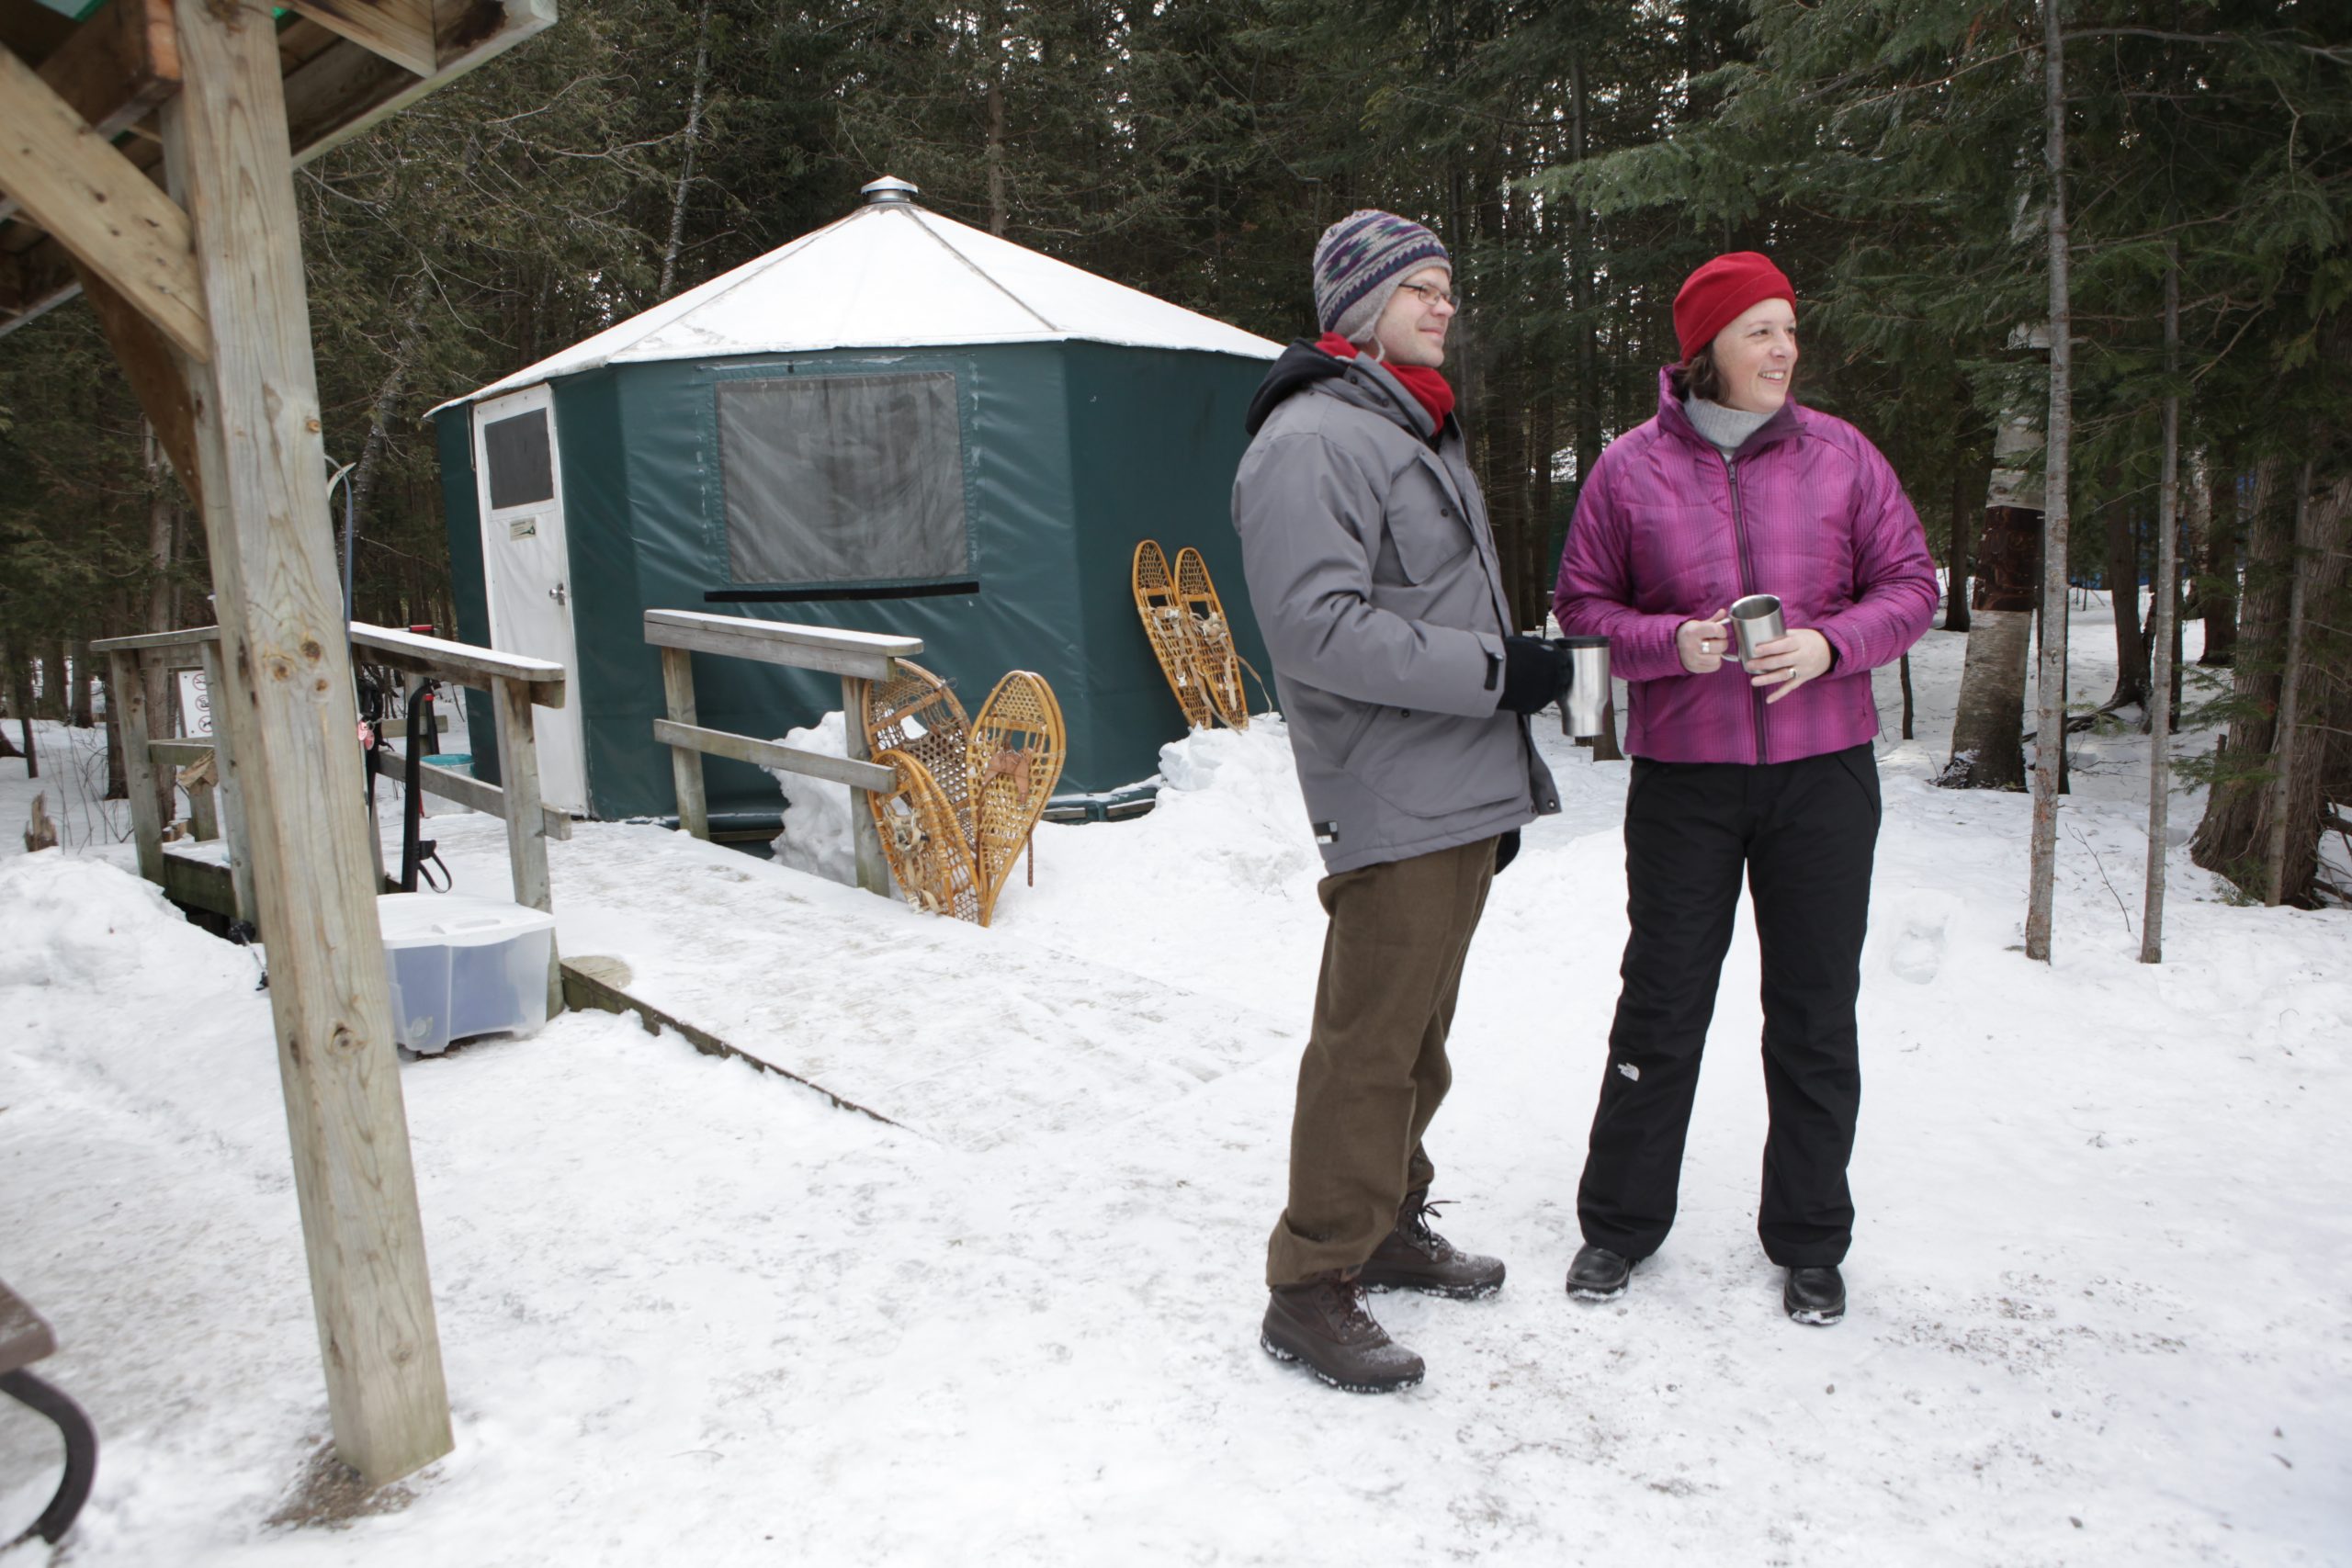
(1325, 1324)
(1415, 1258)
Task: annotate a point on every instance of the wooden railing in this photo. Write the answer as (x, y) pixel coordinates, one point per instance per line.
(515, 684)
(857, 657)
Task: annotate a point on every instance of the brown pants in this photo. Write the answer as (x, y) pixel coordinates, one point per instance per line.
(1376, 1069)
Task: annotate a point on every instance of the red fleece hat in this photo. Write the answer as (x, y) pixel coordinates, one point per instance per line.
(1712, 297)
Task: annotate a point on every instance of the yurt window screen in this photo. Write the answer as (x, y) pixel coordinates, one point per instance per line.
(522, 467)
(842, 479)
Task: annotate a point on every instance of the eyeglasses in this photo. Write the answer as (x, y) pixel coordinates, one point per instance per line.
(1433, 295)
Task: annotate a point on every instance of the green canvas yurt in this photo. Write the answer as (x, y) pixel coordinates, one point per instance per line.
(896, 423)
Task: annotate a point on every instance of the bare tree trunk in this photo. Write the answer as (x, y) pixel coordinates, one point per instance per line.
(686, 163)
(2050, 676)
(405, 348)
(2163, 661)
(1001, 39)
(81, 715)
(1904, 668)
(2122, 575)
(1987, 750)
(24, 672)
(2217, 583)
(2284, 746)
(1967, 516)
(162, 546)
(2236, 821)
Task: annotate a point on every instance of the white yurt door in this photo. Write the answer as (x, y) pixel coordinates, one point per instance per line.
(518, 484)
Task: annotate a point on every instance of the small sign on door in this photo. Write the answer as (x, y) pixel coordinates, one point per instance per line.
(525, 528)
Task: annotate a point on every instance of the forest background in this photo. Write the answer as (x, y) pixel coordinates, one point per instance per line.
(1579, 158)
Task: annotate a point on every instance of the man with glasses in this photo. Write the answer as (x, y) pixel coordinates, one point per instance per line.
(1375, 581)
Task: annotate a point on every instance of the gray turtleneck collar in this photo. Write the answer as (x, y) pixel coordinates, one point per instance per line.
(1726, 429)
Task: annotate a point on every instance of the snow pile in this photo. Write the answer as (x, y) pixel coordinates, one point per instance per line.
(2098, 1278)
(815, 836)
(81, 925)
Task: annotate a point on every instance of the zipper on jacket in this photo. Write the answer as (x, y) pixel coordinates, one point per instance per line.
(1746, 586)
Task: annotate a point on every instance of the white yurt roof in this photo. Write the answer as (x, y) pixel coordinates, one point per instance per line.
(891, 275)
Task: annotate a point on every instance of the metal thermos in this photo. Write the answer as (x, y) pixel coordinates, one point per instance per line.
(1756, 620)
(1588, 700)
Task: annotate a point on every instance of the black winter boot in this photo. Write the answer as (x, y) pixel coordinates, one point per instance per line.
(1415, 1258)
(1325, 1324)
(1598, 1274)
(1815, 1296)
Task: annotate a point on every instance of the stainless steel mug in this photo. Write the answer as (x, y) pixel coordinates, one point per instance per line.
(1756, 620)
(1588, 700)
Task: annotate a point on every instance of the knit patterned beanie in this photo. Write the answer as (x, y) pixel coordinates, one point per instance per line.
(1360, 261)
(1713, 297)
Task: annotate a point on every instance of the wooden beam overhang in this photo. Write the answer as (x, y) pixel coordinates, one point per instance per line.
(97, 203)
(121, 66)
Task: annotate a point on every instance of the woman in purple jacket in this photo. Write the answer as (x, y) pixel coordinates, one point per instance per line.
(1732, 490)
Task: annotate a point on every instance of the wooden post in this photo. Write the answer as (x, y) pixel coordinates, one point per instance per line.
(873, 871)
(686, 764)
(526, 827)
(130, 713)
(287, 706)
(232, 800)
(203, 812)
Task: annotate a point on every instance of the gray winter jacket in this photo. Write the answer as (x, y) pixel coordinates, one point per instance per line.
(1375, 581)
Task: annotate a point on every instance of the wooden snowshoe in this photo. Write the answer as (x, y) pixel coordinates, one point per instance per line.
(929, 857)
(1017, 749)
(1170, 628)
(1215, 660)
(915, 713)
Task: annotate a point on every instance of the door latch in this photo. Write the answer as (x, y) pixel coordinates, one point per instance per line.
(557, 594)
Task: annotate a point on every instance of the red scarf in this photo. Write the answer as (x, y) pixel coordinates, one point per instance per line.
(1429, 389)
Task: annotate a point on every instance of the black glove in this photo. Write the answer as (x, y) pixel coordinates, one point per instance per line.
(1535, 674)
(1506, 850)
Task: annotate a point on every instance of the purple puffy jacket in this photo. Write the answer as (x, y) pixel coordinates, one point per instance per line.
(1666, 531)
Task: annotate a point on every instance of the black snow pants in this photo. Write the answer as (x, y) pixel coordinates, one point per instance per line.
(1804, 832)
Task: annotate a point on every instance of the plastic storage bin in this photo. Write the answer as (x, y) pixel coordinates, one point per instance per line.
(462, 967)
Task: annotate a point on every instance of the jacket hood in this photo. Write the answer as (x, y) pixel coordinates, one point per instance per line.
(1673, 417)
(1301, 364)
(1364, 382)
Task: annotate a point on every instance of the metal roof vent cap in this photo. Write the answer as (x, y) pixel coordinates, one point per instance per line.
(889, 188)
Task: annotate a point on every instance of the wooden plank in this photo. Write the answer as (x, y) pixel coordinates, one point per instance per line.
(864, 836)
(97, 204)
(461, 662)
(203, 812)
(114, 69)
(330, 97)
(582, 988)
(190, 638)
(477, 795)
(866, 655)
(774, 754)
(685, 763)
(526, 844)
(288, 718)
(138, 762)
(399, 31)
(180, 753)
(338, 96)
(118, 66)
(198, 883)
(156, 372)
(232, 799)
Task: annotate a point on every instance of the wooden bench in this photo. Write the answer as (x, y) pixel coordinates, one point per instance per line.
(24, 1339)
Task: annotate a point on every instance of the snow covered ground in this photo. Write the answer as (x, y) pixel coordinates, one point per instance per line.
(692, 1313)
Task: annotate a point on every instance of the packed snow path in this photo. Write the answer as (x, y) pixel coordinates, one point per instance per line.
(694, 1314)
